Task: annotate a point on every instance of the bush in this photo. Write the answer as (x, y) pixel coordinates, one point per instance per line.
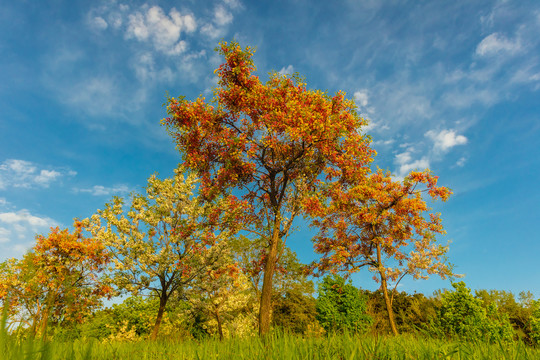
(294, 311)
(341, 307)
(464, 316)
(535, 323)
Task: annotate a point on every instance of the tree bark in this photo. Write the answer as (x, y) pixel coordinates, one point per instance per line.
(384, 287)
(44, 323)
(162, 302)
(220, 326)
(265, 310)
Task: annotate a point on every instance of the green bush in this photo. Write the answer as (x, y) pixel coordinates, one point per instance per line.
(341, 307)
(464, 316)
(535, 323)
(294, 311)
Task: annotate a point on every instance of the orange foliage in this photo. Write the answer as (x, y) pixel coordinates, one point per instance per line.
(57, 280)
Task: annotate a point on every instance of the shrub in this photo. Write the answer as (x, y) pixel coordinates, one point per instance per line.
(341, 307)
(464, 316)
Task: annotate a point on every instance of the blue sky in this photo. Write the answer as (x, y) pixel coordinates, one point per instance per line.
(453, 86)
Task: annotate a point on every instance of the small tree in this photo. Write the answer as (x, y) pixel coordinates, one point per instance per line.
(226, 299)
(165, 241)
(58, 280)
(294, 308)
(379, 222)
(464, 316)
(341, 306)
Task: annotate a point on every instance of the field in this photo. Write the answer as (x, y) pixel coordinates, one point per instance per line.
(276, 346)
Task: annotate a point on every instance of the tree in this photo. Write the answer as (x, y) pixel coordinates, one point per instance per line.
(271, 142)
(225, 298)
(294, 311)
(165, 241)
(505, 302)
(379, 222)
(59, 279)
(250, 254)
(412, 311)
(341, 306)
(464, 316)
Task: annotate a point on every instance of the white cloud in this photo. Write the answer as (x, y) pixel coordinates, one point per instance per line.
(461, 162)
(361, 97)
(18, 230)
(233, 4)
(445, 139)
(99, 190)
(4, 235)
(212, 32)
(22, 224)
(137, 27)
(162, 30)
(25, 174)
(289, 70)
(496, 43)
(383, 142)
(23, 216)
(85, 94)
(98, 23)
(222, 16)
(406, 164)
(217, 27)
(45, 177)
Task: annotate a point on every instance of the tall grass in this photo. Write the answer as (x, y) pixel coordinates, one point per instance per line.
(275, 346)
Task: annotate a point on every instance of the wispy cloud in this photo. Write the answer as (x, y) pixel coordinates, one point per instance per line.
(18, 230)
(461, 162)
(222, 17)
(497, 43)
(99, 190)
(405, 164)
(25, 174)
(286, 70)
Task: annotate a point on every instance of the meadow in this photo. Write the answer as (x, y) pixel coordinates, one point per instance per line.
(275, 346)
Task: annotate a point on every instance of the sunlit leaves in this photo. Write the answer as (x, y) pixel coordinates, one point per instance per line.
(166, 239)
(385, 212)
(273, 142)
(58, 280)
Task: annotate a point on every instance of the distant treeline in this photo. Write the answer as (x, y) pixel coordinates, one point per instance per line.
(491, 316)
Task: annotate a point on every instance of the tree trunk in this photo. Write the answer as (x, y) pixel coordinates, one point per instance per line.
(384, 287)
(265, 310)
(162, 303)
(219, 325)
(44, 323)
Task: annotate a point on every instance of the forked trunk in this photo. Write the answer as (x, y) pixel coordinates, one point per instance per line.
(265, 310)
(162, 303)
(387, 301)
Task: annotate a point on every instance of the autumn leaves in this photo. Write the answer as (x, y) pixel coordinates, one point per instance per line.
(291, 151)
(255, 158)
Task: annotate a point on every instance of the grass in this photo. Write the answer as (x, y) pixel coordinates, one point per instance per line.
(276, 346)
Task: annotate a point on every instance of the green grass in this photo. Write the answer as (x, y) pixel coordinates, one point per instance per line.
(275, 346)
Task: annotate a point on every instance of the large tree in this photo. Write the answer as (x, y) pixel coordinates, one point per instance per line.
(381, 223)
(166, 240)
(271, 143)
